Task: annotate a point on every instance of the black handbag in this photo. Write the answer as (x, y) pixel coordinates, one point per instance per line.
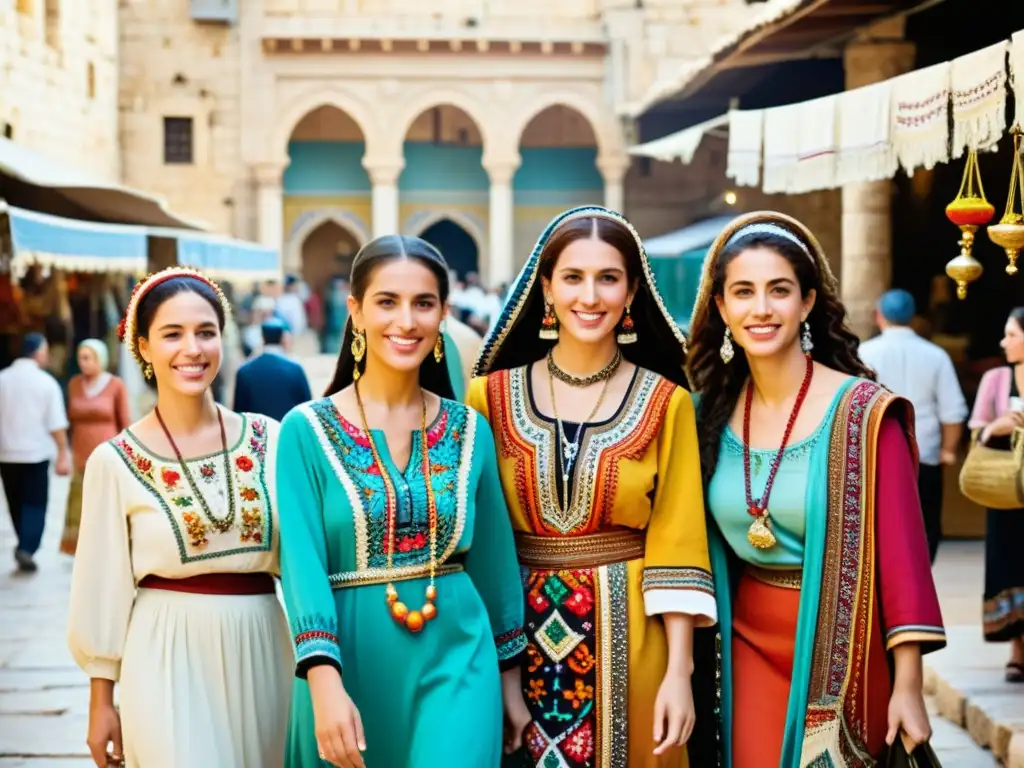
(923, 756)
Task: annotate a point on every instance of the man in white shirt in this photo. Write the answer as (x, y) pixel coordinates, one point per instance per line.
(33, 431)
(923, 373)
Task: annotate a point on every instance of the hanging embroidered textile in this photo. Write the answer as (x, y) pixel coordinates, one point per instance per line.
(979, 98)
(817, 144)
(746, 132)
(920, 117)
(1017, 74)
(866, 152)
(781, 147)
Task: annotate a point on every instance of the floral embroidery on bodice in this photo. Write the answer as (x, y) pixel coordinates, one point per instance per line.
(533, 441)
(205, 521)
(449, 446)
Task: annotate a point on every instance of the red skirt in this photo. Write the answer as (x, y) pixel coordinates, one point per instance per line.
(763, 641)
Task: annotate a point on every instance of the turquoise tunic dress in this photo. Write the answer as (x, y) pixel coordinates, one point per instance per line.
(427, 700)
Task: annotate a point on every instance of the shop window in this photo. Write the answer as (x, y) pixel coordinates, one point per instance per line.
(178, 140)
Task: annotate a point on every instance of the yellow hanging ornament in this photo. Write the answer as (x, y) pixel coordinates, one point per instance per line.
(969, 210)
(1008, 234)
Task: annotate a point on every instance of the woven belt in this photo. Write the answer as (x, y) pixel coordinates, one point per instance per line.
(787, 578)
(587, 551)
(385, 575)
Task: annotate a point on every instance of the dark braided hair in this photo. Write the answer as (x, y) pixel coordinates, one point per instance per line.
(720, 384)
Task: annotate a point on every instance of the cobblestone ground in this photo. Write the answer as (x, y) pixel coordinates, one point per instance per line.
(44, 697)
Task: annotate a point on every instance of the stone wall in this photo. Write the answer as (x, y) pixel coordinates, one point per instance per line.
(58, 81)
(172, 66)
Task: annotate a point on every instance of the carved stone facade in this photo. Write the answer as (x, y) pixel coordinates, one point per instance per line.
(384, 63)
(59, 81)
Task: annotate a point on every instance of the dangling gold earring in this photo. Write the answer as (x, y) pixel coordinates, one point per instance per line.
(439, 347)
(147, 371)
(358, 351)
(549, 325)
(627, 334)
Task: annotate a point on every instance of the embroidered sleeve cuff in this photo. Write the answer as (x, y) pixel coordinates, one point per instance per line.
(511, 645)
(314, 647)
(930, 638)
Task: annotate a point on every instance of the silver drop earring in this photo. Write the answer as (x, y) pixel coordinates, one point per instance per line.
(726, 351)
(806, 343)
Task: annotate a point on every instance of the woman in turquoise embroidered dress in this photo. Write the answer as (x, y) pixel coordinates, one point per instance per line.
(411, 589)
(821, 566)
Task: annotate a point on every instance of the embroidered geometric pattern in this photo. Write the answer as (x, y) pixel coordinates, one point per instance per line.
(445, 443)
(316, 636)
(557, 638)
(511, 644)
(198, 538)
(678, 578)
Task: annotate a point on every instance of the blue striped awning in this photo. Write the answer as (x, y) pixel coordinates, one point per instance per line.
(224, 258)
(74, 245)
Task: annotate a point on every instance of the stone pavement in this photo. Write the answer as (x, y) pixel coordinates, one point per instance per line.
(44, 697)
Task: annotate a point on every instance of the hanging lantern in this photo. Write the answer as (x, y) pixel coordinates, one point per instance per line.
(968, 211)
(1008, 234)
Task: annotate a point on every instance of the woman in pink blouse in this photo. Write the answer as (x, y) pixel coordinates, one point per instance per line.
(97, 411)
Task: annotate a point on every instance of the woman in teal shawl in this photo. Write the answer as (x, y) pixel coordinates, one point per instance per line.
(822, 576)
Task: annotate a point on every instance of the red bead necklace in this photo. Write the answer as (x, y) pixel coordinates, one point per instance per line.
(760, 532)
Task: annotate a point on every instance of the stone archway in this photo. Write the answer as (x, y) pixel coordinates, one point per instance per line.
(421, 223)
(326, 250)
(459, 247)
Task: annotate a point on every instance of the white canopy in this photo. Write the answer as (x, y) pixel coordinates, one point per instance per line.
(681, 145)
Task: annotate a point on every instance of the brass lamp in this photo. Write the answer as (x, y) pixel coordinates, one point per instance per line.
(969, 210)
(1008, 234)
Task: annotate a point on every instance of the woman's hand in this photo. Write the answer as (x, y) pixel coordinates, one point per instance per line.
(908, 718)
(673, 712)
(517, 714)
(104, 734)
(1003, 425)
(339, 729)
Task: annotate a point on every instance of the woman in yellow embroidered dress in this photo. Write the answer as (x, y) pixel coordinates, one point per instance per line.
(172, 596)
(581, 381)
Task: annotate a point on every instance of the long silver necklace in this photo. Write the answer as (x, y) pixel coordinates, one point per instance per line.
(570, 449)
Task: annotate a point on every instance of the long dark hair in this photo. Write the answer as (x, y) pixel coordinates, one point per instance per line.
(161, 292)
(720, 384)
(656, 348)
(376, 253)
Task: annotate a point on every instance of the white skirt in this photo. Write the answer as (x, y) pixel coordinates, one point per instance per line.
(205, 681)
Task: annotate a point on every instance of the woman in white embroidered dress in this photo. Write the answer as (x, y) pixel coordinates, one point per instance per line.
(172, 597)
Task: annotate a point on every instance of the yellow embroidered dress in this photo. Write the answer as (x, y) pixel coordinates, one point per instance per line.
(597, 650)
(203, 679)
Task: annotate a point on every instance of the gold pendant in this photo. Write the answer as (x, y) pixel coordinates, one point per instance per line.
(760, 533)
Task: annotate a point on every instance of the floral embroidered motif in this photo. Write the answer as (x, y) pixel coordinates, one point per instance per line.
(170, 478)
(199, 538)
(196, 530)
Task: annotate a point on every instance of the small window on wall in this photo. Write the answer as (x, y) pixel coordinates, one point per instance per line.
(177, 140)
(8, 130)
(90, 80)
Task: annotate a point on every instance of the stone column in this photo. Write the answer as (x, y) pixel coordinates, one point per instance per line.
(270, 204)
(501, 216)
(613, 169)
(866, 264)
(384, 197)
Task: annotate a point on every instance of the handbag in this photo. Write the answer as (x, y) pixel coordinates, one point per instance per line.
(923, 756)
(992, 477)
